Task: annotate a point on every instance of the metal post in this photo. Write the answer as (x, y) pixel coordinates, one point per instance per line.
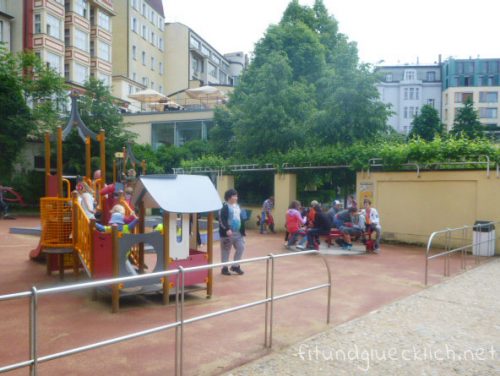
(33, 330)
(210, 252)
(181, 331)
(88, 157)
(59, 162)
(177, 318)
(271, 314)
(47, 163)
(266, 317)
(102, 154)
(329, 303)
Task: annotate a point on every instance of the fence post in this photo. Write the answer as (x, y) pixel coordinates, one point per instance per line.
(271, 314)
(115, 289)
(33, 330)
(266, 317)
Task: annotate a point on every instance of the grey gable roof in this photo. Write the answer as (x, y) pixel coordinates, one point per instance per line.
(177, 193)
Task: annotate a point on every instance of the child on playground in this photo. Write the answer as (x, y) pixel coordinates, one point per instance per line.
(118, 218)
(86, 199)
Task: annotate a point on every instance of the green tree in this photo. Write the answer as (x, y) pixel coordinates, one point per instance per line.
(97, 111)
(426, 124)
(467, 122)
(25, 79)
(304, 86)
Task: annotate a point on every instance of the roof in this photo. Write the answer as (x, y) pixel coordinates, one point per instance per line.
(177, 193)
(157, 5)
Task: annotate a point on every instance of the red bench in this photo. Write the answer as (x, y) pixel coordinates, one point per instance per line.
(335, 233)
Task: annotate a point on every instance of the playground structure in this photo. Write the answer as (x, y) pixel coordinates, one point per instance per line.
(69, 238)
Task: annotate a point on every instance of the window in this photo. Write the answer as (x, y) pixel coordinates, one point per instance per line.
(412, 93)
(462, 97)
(104, 21)
(152, 63)
(490, 81)
(194, 43)
(106, 80)
(431, 102)
(134, 24)
(152, 85)
(160, 89)
(417, 93)
(145, 81)
(135, 4)
(160, 43)
(38, 24)
(54, 62)
(160, 67)
(143, 58)
(431, 76)
(81, 73)
(144, 31)
(222, 78)
(492, 67)
(67, 37)
(134, 52)
(130, 89)
(406, 93)
(53, 26)
(152, 38)
(488, 97)
(144, 12)
(410, 75)
(82, 40)
(196, 65)
(1, 31)
(66, 72)
(205, 51)
(92, 48)
(134, 76)
(467, 81)
(81, 8)
(488, 112)
(212, 70)
(388, 77)
(104, 51)
(215, 59)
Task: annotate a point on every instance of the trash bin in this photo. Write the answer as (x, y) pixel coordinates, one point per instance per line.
(483, 238)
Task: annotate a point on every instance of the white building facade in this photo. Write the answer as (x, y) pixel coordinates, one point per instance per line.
(407, 88)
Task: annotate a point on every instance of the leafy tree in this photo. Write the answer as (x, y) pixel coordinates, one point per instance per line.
(427, 124)
(97, 111)
(304, 87)
(18, 88)
(467, 122)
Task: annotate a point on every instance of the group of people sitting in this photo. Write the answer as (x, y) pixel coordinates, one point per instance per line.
(87, 198)
(305, 225)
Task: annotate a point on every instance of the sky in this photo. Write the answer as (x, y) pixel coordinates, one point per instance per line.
(392, 31)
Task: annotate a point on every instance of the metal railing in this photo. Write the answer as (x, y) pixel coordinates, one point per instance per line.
(35, 359)
(461, 239)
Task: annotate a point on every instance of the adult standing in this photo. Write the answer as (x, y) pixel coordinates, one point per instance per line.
(231, 231)
(266, 215)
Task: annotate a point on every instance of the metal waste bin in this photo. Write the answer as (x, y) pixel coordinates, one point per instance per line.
(483, 238)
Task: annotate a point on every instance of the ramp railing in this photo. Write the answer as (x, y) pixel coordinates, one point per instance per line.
(180, 322)
(478, 239)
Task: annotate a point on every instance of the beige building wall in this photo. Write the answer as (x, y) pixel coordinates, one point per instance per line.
(141, 123)
(413, 207)
(453, 96)
(176, 57)
(138, 53)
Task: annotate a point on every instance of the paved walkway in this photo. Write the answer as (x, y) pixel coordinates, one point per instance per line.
(449, 329)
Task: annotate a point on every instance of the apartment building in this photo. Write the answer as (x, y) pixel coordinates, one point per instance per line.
(139, 47)
(475, 79)
(191, 61)
(407, 88)
(71, 36)
(5, 21)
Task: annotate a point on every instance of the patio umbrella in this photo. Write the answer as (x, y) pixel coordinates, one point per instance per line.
(205, 92)
(147, 96)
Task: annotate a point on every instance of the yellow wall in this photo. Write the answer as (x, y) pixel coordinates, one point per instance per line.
(412, 207)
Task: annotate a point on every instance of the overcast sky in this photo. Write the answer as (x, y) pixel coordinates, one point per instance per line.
(396, 31)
